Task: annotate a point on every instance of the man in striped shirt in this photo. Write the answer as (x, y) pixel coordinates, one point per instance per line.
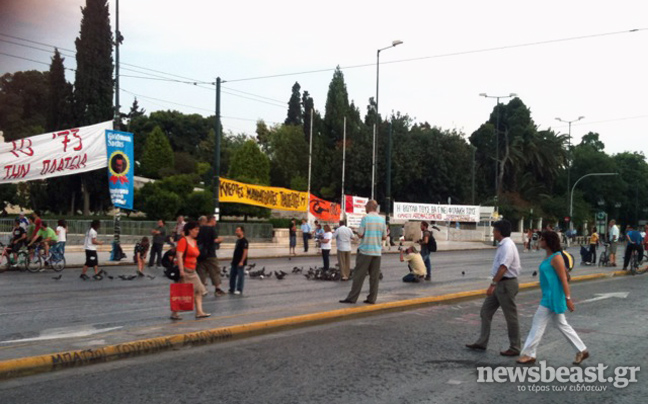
(372, 231)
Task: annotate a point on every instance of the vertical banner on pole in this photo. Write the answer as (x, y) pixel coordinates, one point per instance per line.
(121, 160)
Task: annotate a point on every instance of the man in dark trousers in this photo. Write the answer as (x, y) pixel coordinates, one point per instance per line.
(159, 235)
(207, 261)
(502, 291)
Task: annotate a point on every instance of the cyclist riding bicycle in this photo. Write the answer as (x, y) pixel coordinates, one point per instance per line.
(18, 239)
(634, 244)
(47, 237)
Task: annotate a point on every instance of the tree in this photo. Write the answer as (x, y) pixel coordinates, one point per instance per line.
(295, 114)
(135, 112)
(250, 165)
(93, 89)
(309, 107)
(157, 202)
(198, 203)
(288, 154)
(59, 113)
(157, 154)
(337, 108)
(23, 104)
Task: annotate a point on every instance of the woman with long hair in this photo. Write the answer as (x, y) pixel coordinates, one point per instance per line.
(141, 249)
(556, 300)
(187, 253)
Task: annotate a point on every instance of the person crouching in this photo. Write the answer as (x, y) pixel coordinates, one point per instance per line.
(415, 264)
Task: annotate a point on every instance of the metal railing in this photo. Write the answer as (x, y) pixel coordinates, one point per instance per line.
(253, 231)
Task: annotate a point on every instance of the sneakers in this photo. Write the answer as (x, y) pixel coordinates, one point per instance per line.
(219, 292)
(428, 278)
(237, 292)
(84, 277)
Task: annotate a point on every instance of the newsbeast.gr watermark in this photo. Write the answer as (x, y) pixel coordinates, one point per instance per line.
(592, 378)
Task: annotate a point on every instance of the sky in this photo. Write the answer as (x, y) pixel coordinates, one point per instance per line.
(601, 77)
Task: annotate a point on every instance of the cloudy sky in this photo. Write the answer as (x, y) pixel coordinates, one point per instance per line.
(601, 77)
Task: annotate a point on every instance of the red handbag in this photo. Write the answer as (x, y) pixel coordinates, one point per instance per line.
(182, 297)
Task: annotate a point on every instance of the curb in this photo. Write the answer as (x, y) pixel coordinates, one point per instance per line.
(71, 359)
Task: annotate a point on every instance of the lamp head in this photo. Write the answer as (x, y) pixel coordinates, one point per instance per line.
(397, 42)
(512, 95)
(483, 95)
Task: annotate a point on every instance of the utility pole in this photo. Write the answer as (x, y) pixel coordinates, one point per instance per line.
(117, 253)
(389, 174)
(217, 152)
(343, 201)
(571, 220)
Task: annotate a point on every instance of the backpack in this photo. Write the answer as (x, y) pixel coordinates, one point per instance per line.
(431, 245)
(569, 263)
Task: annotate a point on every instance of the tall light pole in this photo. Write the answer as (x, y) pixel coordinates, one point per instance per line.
(571, 200)
(497, 162)
(569, 157)
(375, 127)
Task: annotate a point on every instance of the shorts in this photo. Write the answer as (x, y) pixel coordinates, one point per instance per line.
(613, 247)
(91, 258)
(17, 246)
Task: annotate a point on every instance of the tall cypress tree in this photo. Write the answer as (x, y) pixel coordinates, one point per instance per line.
(59, 114)
(93, 89)
(337, 107)
(295, 113)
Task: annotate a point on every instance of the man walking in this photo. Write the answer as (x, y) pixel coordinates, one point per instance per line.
(343, 236)
(425, 242)
(306, 233)
(239, 261)
(159, 235)
(207, 262)
(613, 234)
(502, 291)
(372, 231)
(178, 230)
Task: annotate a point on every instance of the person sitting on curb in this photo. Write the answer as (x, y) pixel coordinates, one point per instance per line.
(415, 264)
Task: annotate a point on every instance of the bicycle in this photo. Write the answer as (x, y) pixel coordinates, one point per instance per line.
(7, 260)
(33, 261)
(56, 259)
(634, 264)
(604, 258)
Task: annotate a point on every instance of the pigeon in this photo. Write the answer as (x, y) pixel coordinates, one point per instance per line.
(150, 277)
(127, 278)
(252, 265)
(111, 277)
(280, 276)
(56, 278)
(534, 273)
(463, 273)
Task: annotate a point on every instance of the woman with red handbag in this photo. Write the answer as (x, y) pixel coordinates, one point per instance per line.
(187, 253)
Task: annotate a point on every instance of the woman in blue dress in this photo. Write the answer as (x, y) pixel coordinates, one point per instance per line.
(555, 302)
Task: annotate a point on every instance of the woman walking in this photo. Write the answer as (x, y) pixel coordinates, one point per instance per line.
(187, 253)
(325, 245)
(292, 232)
(555, 302)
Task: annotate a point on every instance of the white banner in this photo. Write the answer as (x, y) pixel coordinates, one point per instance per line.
(440, 213)
(355, 204)
(64, 152)
(354, 219)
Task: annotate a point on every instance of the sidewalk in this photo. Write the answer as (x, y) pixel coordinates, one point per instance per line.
(75, 256)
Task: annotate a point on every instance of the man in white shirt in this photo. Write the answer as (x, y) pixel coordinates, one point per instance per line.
(90, 245)
(614, 234)
(502, 291)
(343, 236)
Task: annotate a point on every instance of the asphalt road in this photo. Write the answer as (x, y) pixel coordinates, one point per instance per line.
(39, 315)
(410, 357)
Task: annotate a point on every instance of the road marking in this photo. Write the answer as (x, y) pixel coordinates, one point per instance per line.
(601, 296)
(59, 333)
(454, 382)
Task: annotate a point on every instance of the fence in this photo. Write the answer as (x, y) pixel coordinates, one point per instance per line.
(253, 231)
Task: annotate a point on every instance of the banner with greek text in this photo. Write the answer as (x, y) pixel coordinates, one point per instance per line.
(121, 157)
(325, 211)
(54, 154)
(259, 195)
(440, 213)
(355, 204)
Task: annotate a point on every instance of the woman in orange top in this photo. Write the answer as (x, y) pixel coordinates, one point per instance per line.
(187, 258)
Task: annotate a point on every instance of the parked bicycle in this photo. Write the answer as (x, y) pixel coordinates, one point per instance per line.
(604, 258)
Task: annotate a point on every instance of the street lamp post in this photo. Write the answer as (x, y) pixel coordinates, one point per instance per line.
(375, 127)
(497, 97)
(571, 200)
(569, 152)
